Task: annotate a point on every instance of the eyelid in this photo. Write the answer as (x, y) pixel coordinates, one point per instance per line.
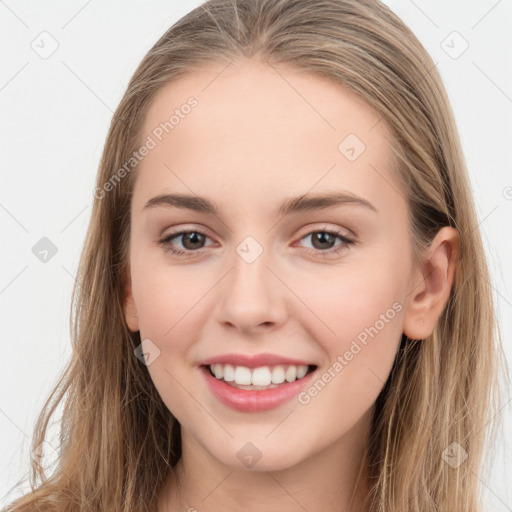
(175, 230)
(327, 227)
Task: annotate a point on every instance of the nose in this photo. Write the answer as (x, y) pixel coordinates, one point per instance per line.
(252, 298)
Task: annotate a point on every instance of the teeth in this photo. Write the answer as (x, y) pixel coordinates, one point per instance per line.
(218, 371)
(242, 376)
(291, 374)
(301, 371)
(260, 377)
(278, 375)
(228, 372)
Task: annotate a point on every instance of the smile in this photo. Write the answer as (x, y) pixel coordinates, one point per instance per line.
(256, 389)
(263, 377)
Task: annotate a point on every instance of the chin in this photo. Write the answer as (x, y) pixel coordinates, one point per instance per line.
(253, 456)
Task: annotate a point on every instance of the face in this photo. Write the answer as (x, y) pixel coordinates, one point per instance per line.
(262, 282)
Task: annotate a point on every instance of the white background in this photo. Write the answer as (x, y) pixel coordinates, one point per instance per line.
(55, 114)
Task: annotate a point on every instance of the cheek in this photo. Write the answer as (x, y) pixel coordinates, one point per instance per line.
(351, 300)
(357, 319)
(169, 305)
(167, 299)
(360, 333)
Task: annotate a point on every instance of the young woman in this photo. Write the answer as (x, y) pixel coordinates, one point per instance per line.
(283, 299)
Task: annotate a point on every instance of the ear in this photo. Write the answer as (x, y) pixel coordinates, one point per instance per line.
(431, 284)
(129, 307)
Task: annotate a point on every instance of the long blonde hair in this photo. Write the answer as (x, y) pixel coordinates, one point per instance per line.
(119, 442)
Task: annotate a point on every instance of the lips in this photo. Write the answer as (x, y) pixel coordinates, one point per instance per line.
(254, 400)
(259, 370)
(253, 383)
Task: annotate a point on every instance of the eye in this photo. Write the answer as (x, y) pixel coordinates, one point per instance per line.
(191, 241)
(323, 241)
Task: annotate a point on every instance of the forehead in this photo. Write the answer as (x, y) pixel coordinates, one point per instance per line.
(266, 129)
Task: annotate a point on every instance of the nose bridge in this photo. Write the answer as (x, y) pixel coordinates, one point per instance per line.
(251, 294)
(250, 275)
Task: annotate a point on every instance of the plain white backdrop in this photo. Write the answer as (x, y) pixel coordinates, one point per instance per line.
(63, 70)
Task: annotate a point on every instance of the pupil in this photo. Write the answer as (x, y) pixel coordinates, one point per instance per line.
(321, 238)
(194, 238)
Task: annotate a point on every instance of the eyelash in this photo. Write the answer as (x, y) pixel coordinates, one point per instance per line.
(316, 252)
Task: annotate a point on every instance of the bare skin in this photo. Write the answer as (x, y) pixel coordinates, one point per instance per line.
(250, 143)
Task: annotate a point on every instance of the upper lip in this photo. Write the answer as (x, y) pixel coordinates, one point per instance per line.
(254, 361)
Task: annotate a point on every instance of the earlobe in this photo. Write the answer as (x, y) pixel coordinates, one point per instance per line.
(431, 286)
(129, 307)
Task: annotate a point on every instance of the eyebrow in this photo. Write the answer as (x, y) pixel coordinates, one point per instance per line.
(304, 203)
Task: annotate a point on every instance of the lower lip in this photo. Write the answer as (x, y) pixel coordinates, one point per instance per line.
(254, 400)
